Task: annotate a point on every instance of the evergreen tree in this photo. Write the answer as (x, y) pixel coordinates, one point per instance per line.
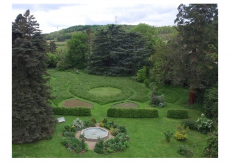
(117, 52)
(31, 112)
(196, 48)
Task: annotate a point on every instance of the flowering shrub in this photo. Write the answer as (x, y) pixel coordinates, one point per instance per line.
(78, 124)
(181, 133)
(204, 125)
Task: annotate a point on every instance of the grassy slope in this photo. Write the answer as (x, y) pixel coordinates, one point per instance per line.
(146, 135)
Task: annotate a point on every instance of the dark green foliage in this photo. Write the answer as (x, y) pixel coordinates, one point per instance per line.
(94, 120)
(211, 102)
(157, 100)
(73, 111)
(63, 62)
(67, 128)
(185, 151)
(189, 123)
(177, 114)
(117, 52)
(77, 49)
(211, 149)
(107, 126)
(122, 129)
(99, 147)
(168, 135)
(132, 113)
(52, 47)
(114, 131)
(52, 60)
(31, 111)
(64, 140)
(147, 82)
(141, 74)
(69, 134)
(88, 123)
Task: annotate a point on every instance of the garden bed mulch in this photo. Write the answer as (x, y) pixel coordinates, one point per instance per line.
(92, 144)
(77, 103)
(125, 105)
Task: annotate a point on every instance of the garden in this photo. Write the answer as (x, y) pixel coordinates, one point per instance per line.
(145, 130)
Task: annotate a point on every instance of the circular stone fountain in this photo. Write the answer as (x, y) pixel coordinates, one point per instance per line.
(92, 133)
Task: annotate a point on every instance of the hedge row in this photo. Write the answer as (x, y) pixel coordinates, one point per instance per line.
(74, 111)
(132, 113)
(177, 114)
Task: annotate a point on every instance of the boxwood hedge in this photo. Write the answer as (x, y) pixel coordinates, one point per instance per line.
(73, 111)
(132, 113)
(177, 114)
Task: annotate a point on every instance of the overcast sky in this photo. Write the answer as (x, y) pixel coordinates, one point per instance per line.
(51, 16)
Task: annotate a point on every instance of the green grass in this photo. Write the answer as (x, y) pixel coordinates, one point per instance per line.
(104, 91)
(146, 134)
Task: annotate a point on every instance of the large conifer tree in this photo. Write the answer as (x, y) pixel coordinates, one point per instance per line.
(117, 52)
(31, 112)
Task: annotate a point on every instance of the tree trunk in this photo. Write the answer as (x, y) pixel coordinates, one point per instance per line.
(192, 96)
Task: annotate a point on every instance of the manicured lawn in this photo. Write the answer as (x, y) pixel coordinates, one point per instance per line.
(146, 134)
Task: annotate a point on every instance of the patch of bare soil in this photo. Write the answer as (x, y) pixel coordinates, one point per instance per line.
(77, 103)
(125, 105)
(92, 144)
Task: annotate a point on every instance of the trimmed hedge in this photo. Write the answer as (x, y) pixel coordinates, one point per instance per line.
(132, 113)
(177, 114)
(73, 111)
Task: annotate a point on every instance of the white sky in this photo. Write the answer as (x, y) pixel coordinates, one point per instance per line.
(51, 16)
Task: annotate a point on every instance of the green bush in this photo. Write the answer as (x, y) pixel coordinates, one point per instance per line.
(211, 149)
(52, 60)
(64, 140)
(122, 129)
(181, 133)
(132, 113)
(185, 151)
(78, 124)
(157, 100)
(177, 114)
(94, 120)
(141, 74)
(189, 123)
(73, 111)
(88, 123)
(204, 125)
(147, 81)
(114, 131)
(168, 135)
(99, 147)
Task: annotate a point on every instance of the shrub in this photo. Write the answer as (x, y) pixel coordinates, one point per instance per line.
(204, 125)
(189, 123)
(107, 126)
(63, 62)
(132, 113)
(73, 111)
(94, 120)
(88, 123)
(141, 74)
(86, 148)
(78, 124)
(121, 129)
(157, 100)
(69, 134)
(64, 140)
(147, 81)
(168, 135)
(185, 151)
(52, 60)
(211, 149)
(177, 114)
(67, 128)
(114, 131)
(99, 147)
(181, 133)
(102, 124)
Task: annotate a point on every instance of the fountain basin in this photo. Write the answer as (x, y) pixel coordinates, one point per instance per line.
(92, 133)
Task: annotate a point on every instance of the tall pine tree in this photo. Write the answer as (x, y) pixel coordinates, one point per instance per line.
(31, 112)
(117, 52)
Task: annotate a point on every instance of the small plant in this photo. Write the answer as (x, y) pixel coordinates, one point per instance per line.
(101, 124)
(141, 74)
(186, 151)
(211, 149)
(188, 123)
(99, 147)
(157, 100)
(105, 120)
(204, 125)
(181, 133)
(67, 128)
(88, 123)
(94, 120)
(168, 135)
(122, 129)
(114, 131)
(78, 124)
